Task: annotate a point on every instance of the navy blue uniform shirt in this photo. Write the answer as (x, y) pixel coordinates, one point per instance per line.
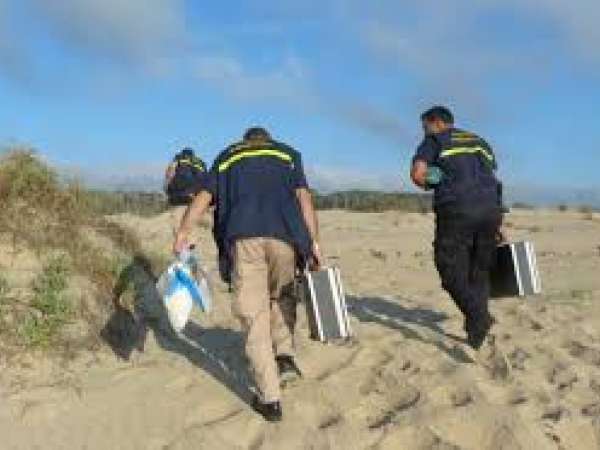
(254, 188)
(468, 163)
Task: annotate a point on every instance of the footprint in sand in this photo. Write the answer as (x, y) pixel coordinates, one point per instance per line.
(562, 377)
(403, 399)
(595, 385)
(432, 441)
(517, 358)
(518, 397)
(330, 422)
(584, 353)
(461, 398)
(591, 410)
(555, 413)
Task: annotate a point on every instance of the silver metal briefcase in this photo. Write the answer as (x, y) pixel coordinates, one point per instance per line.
(326, 305)
(515, 272)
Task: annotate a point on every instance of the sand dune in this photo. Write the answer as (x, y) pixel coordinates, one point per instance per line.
(405, 382)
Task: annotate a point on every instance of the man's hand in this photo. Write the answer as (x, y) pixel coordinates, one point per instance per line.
(181, 243)
(418, 174)
(501, 236)
(317, 257)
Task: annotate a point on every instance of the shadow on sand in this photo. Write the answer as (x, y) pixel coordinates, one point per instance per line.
(411, 322)
(218, 351)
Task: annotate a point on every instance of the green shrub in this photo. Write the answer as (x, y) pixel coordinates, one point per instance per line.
(48, 216)
(51, 309)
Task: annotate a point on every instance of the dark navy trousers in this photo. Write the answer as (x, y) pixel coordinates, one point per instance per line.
(465, 247)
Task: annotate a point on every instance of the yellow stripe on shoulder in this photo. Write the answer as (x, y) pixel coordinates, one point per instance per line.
(254, 154)
(455, 151)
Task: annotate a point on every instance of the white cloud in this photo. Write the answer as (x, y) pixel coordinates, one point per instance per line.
(141, 30)
(291, 84)
(577, 20)
(286, 82)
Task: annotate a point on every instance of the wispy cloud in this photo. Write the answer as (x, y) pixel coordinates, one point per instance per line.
(285, 82)
(448, 48)
(138, 30)
(291, 83)
(576, 20)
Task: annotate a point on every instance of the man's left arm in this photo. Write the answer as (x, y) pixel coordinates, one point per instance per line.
(309, 214)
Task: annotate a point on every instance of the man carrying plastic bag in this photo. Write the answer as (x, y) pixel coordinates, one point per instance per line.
(265, 224)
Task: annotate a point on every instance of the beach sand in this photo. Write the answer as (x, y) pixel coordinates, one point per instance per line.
(405, 382)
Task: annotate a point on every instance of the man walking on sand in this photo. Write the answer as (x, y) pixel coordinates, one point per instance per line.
(460, 168)
(183, 179)
(265, 228)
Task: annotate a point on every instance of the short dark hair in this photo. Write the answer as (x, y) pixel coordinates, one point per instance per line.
(187, 152)
(257, 133)
(438, 113)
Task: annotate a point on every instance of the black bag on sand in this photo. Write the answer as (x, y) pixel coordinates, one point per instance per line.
(326, 307)
(123, 333)
(515, 272)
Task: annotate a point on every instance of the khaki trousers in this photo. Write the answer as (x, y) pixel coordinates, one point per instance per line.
(264, 271)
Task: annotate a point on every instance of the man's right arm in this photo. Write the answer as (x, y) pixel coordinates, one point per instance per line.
(169, 174)
(418, 173)
(202, 201)
(192, 216)
(425, 155)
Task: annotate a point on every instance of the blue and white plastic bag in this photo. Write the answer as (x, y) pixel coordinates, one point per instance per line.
(180, 290)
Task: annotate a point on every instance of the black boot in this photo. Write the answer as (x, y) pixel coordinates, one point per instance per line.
(270, 411)
(288, 370)
(476, 335)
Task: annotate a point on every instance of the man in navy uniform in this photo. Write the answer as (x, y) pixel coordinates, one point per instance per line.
(265, 229)
(183, 178)
(460, 167)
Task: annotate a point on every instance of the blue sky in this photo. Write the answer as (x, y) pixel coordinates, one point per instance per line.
(113, 88)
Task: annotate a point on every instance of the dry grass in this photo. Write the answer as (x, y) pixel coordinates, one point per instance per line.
(51, 217)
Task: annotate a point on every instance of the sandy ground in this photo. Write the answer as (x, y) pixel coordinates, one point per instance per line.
(403, 383)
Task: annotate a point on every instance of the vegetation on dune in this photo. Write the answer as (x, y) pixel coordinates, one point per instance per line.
(374, 201)
(139, 203)
(54, 220)
(148, 203)
(50, 307)
(49, 217)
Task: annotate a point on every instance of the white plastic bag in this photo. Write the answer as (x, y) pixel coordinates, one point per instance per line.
(180, 290)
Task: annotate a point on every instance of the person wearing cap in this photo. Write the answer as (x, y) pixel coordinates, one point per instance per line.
(184, 177)
(266, 230)
(460, 168)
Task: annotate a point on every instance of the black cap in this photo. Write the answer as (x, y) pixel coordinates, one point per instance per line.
(187, 152)
(257, 133)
